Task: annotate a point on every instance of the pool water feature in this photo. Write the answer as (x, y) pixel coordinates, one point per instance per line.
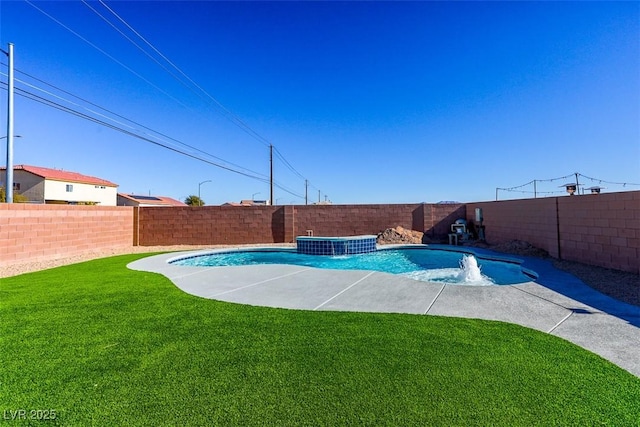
(311, 245)
(469, 269)
(422, 264)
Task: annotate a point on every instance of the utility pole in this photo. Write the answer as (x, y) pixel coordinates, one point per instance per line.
(318, 196)
(271, 169)
(9, 180)
(306, 191)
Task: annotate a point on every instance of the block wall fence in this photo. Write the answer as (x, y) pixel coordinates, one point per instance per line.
(46, 232)
(595, 229)
(601, 230)
(216, 225)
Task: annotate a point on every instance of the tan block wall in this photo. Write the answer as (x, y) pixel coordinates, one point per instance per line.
(280, 224)
(45, 232)
(438, 218)
(350, 220)
(530, 220)
(210, 225)
(602, 230)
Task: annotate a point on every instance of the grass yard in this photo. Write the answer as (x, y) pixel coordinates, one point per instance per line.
(102, 345)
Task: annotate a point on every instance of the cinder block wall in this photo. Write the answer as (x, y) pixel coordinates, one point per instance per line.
(438, 218)
(602, 229)
(351, 220)
(45, 232)
(531, 220)
(209, 225)
(280, 224)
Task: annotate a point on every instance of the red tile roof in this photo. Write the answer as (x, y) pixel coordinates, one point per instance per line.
(66, 176)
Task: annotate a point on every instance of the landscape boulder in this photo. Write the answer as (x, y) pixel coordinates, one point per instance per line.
(400, 235)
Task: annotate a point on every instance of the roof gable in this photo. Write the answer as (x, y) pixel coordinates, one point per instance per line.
(66, 176)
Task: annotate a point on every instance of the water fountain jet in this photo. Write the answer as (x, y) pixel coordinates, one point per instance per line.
(469, 270)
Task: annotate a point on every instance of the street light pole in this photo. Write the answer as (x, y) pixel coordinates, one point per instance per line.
(9, 180)
(199, 184)
(253, 196)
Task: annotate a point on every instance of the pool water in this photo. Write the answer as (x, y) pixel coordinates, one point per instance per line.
(422, 264)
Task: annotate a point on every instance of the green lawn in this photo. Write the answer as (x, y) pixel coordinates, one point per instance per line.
(102, 345)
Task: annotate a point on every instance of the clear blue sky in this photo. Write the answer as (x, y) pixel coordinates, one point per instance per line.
(372, 102)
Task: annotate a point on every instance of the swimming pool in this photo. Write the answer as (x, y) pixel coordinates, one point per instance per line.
(423, 264)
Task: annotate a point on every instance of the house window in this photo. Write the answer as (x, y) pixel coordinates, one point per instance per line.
(16, 186)
(69, 188)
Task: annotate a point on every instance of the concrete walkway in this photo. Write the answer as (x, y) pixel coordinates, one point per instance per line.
(556, 303)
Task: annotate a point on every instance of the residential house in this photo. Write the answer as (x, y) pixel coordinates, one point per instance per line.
(248, 203)
(55, 186)
(136, 200)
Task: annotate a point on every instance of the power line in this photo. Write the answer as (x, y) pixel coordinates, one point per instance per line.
(105, 53)
(287, 164)
(58, 106)
(576, 175)
(224, 111)
(63, 108)
(50, 103)
(602, 181)
(174, 76)
(119, 116)
(134, 43)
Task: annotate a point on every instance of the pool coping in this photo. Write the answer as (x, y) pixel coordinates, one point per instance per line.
(557, 303)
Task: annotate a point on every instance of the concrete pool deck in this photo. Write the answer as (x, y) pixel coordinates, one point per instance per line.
(556, 303)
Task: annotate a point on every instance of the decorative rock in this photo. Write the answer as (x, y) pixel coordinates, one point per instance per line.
(399, 235)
